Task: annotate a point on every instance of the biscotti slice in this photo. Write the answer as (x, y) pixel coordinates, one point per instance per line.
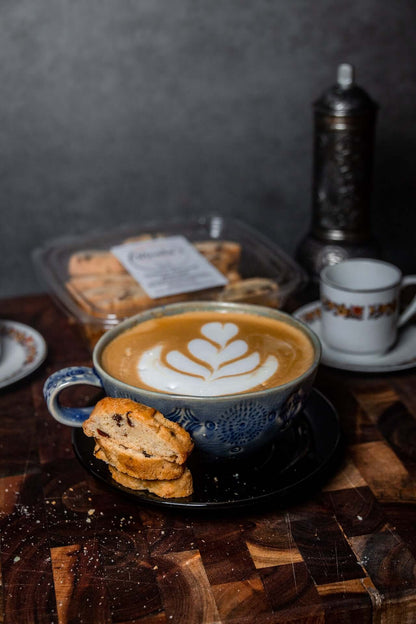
(94, 262)
(137, 464)
(174, 488)
(123, 296)
(223, 254)
(98, 294)
(81, 283)
(138, 427)
(258, 290)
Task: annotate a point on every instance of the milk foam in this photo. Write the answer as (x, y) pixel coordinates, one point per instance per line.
(211, 366)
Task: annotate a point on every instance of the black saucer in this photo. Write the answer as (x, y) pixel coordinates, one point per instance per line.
(299, 460)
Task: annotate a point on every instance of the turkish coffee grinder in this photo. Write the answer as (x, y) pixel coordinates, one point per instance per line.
(344, 130)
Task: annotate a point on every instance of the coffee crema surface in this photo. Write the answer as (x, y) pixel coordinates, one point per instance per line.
(208, 353)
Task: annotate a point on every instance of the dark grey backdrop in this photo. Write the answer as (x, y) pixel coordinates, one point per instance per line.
(127, 110)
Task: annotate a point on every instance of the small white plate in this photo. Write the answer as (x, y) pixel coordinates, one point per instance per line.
(23, 350)
(399, 357)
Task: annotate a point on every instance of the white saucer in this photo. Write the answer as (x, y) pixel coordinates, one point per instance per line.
(400, 357)
(23, 350)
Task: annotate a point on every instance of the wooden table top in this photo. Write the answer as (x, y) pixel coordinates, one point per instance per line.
(75, 551)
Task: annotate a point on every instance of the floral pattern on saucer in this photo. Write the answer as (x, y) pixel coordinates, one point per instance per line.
(23, 350)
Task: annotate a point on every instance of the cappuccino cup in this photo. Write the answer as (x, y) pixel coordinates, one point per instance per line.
(234, 375)
(360, 302)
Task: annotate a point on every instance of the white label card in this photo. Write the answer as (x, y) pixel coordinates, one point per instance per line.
(168, 266)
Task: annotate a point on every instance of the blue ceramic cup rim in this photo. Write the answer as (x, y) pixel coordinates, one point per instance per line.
(182, 307)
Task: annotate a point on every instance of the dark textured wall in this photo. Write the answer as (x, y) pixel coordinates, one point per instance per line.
(125, 110)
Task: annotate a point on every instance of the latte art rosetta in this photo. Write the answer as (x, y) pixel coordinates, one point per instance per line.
(208, 353)
(212, 366)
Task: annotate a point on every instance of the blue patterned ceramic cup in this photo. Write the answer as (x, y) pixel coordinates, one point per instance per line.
(223, 425)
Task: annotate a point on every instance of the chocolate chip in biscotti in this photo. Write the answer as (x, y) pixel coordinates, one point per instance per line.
(102, 433)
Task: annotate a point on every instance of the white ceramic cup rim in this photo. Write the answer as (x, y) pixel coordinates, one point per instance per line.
(328, 278)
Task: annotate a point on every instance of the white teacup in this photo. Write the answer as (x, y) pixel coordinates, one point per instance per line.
(360, 305)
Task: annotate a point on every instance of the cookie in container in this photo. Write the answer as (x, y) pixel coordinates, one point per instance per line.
(97, 292)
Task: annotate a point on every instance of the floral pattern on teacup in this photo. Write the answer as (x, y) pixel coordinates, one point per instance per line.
(360, 312)
(341, 309)
(382, 309)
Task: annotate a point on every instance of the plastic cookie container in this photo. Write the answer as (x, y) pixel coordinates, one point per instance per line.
(88, 281)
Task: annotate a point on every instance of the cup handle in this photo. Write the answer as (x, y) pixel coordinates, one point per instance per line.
(411, 308)
(71, 376)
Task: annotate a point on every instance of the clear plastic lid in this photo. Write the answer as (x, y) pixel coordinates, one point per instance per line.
(87, 280)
